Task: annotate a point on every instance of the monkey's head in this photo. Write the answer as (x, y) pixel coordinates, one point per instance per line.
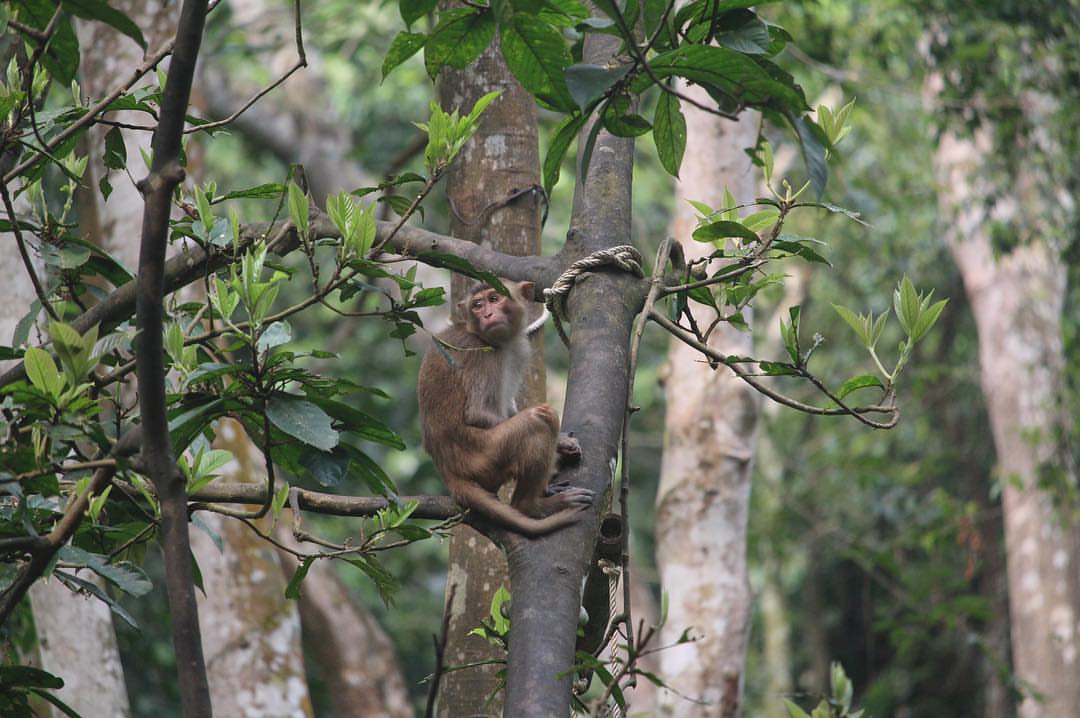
(497, 318)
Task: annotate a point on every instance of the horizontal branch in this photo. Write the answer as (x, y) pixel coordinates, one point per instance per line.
(428, 507)
(194, 262)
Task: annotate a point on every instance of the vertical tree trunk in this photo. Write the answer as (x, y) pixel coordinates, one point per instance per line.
(501, 159)
(1017, 298)
(710, 436)
(251, 632)
(356, 658)
(76, 641)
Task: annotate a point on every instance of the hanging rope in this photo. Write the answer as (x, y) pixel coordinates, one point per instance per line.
(622, 256)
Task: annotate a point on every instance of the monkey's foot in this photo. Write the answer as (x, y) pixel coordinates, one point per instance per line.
(569, 450)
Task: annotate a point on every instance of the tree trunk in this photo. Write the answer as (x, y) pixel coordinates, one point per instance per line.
(710, 436)
(356, 658)
(1017, 299)
(500, 160)
(251, 632)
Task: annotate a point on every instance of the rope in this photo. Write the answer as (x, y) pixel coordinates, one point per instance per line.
(622, 256)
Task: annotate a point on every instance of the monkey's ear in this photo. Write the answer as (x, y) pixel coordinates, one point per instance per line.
(527, 289)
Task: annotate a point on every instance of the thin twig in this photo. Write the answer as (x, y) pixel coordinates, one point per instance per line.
(440, 653)
(27, 263)
(843, 409)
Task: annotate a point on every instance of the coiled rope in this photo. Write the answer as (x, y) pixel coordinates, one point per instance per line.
(623, 256)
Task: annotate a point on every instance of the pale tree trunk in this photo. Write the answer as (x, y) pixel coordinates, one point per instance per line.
(251, 632)
(76, 641)
(710, 436)
(501, 159)
(356, 658)
(1017, 298)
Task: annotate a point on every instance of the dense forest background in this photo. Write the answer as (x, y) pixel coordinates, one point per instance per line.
(881, 550)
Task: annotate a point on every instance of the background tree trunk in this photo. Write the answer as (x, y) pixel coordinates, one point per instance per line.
(501, 159)
(710, 436)
(1017, 298)
(356, 658)
(251, 632)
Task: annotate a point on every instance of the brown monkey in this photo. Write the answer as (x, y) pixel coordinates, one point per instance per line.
(473, 431)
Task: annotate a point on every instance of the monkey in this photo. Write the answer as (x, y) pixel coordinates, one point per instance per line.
(473, 431)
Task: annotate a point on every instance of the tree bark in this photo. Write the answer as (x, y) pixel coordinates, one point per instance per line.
(501, 159)
(76, 641)
(710, 437)
(546, 574)
(356, 658)
(1017, 298)
(251, 632)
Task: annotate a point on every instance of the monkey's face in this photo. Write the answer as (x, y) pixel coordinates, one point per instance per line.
(494, 317)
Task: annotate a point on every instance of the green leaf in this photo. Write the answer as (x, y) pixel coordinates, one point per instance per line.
(459, 38)
(773, 368)
(327, 468)
(587, 82)
(565, 133)
(269, 190)
(721, 229)
(800, 250)
(927, 319)
(855, 321)
(42, 372)
(858, 382)
(729, 72)
(795, 711)
(812, 144)
(906, 304)
(89, 587)
(669, 133)
(298, 208)
(125, 576)
(301, 419)
(28, 677)
(100, 10)
(750, 39)
(849, 213)
(385, 582)
(536, 54)
(292, 591)
(461, 266)
(274, 335)
(413, 10)
(115, 151)
(405, 45)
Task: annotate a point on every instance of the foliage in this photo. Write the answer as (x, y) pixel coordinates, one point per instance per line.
(836, 705)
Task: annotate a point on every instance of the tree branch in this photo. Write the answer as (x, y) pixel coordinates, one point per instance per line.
(150, 288)
(857, 411)
(194, 263)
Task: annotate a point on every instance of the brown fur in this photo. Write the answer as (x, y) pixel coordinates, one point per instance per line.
(473, 431)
